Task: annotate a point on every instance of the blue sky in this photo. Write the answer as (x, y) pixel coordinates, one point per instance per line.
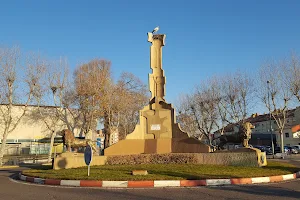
(203, 37)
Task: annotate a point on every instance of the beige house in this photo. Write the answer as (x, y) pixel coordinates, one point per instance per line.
(261, 134)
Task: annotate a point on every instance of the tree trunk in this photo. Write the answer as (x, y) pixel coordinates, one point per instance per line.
(51, 146)
(281, 142)
(3, 145)
(106, 131)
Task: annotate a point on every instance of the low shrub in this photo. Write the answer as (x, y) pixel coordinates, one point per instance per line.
(170, 158)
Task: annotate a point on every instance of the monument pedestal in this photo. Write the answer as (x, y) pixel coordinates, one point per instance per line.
(159, 133)
(70, 160)
(156, 146)
(260, 158)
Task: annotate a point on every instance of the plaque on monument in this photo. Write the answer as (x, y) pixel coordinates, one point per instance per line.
(155, 127)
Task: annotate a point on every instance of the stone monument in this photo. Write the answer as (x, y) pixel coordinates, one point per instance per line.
(157, 131)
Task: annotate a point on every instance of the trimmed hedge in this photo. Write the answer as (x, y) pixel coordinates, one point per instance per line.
(230, 159)
(178, 158)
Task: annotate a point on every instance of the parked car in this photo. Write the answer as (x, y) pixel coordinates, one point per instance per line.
(268, 148)
(290, 150)
(297, 147)
(295, 150)
(264, 149)
(277, 150)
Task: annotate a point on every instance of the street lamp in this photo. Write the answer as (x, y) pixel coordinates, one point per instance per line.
(270, 116)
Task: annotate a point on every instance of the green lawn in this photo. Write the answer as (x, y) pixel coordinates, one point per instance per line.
(164, 172)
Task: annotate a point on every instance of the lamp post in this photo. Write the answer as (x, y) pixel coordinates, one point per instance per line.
(270, 116)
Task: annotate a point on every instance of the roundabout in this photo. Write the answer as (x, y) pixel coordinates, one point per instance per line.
(16, 189)
(164, 175)
(160, 183)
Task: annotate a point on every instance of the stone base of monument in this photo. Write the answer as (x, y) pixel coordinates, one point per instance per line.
(261, 157)
(240, 157)
(149, 146)
(70, 160)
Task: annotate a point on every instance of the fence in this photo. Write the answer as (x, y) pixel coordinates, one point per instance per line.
(13, 149)
(39, 149)
(31, 149)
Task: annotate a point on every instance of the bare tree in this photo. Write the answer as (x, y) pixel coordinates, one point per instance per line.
(131, 96)
(9, 80)
(185, 116)
(63, 94)
(59, 90)
(273, 84)
(292, 73)
(51, 121)
(236, 95)
(198, 113)
(93, 88)
(217, 102)
(93, 82)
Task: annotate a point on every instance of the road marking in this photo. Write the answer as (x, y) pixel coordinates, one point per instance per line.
(288, 177)
(70, 183)
(218, 182)
(261, 180)
(114, 183)
(171, 183)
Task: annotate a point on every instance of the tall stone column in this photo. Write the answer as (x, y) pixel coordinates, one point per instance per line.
(157, 80)
(157, 131)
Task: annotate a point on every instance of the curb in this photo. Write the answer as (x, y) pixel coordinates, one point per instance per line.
(9, 166)
(159, 183)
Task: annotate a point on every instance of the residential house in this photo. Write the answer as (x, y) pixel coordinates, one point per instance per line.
(261, 134)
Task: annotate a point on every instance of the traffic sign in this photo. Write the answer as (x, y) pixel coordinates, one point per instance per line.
(88, 155)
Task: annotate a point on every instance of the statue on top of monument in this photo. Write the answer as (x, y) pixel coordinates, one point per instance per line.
(155, 29)
(157, 79)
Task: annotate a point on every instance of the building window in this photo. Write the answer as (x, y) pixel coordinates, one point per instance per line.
(287, 135)
(10, 140)
(25, 140)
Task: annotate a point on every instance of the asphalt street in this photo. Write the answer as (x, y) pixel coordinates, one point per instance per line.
(11, 189)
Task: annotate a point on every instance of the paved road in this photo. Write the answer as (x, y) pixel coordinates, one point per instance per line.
(15, 190)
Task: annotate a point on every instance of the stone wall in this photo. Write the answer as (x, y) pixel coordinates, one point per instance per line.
(75, 160)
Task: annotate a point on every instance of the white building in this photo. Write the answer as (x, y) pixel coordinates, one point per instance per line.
(31, 136)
